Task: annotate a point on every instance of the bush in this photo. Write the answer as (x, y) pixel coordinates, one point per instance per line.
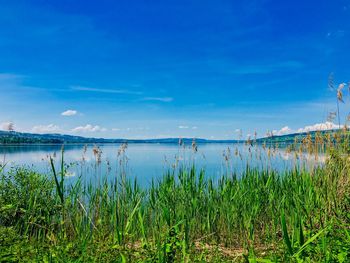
(27, 201)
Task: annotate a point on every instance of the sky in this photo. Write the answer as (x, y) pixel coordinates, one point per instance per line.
(170, 68)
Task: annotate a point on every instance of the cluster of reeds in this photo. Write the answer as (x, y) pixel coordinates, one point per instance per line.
(260, 215)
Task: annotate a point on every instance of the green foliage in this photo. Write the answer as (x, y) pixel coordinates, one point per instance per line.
(260, 216)
(27, 201)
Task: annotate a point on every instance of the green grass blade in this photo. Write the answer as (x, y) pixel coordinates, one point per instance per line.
(285, 234)
(309, 241)
(58, 187)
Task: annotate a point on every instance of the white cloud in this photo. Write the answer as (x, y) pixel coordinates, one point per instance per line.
(7, 126)
(187, 127)
(99, 90)
(89, 128)
(115, 129)
(283, 131)
(69, 113)
(161, 99)
(51, 128)
(319, 127)
(315, 127)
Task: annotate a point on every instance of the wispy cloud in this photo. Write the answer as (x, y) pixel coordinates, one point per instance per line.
(161, 99)
(336, 34)
(10, 76)
(69, 113)
(100, 90)
(50, 128)
(89, 128)
(267, 68)
(128, 129)
(187, 127)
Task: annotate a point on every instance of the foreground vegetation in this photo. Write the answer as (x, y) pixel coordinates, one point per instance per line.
(300, 215)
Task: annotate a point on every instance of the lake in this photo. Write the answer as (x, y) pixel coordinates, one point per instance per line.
(147, 161)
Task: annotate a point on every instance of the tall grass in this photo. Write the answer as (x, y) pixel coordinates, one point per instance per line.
(301, 214)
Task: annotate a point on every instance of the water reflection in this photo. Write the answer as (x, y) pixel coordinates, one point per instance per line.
(147, 161)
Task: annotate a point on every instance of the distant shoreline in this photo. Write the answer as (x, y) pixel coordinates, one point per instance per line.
(129, 142)
(18, 138)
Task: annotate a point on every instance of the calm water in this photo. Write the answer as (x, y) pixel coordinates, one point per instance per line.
(147, 161)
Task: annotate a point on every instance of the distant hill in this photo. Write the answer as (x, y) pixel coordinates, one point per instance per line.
(12, 137)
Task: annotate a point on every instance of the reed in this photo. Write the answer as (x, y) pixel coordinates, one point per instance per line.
(260, 215)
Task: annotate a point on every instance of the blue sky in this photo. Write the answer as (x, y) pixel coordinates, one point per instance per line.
(150, 69)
